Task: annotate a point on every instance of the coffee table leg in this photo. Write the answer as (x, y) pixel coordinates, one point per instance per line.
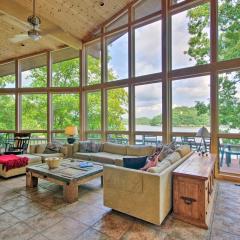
(70, 192)
(101, 181)
(31, 181)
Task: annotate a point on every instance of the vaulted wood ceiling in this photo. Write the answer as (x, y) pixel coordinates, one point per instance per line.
(67, 21)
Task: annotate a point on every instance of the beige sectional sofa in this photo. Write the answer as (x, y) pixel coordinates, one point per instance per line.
(111, 153)
(141, 194)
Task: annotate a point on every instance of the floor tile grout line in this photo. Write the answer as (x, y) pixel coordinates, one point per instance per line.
(40, 231)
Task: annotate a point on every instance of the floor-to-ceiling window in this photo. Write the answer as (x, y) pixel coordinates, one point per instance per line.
(154, 60)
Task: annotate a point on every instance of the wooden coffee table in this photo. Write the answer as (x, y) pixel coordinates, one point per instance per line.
(69, 175)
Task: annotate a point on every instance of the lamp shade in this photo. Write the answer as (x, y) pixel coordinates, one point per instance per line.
(71, 130)
(203, 132)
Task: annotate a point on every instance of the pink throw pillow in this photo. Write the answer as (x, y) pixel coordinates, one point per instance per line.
(151, 162)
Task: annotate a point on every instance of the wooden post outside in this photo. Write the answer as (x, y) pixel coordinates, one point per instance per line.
(166, 106)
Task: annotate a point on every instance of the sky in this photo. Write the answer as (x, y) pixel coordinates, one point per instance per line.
(148, 60)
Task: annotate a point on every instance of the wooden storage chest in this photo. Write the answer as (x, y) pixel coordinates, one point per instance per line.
(193, 190)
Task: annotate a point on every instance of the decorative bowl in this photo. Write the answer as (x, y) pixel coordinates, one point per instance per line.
(53, 162)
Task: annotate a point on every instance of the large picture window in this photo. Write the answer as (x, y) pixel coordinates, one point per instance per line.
(117, 56)
(191, 104)
(7, 75)
(65, 68)
(229, 102)
(65, 109)
(190, 37)
(93, 63)
(148, 107)
(94, 110)
(34, 71)
(34, 111)
(148, 50)
(117, 109)
(228, 29)
(7, 112)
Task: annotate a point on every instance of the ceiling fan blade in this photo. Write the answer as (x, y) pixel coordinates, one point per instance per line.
(19, 38)
(15, 22)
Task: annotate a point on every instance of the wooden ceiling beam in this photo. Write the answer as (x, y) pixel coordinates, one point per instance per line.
(15, 11)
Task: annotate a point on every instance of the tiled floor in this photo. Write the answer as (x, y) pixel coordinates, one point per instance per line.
(41, 214)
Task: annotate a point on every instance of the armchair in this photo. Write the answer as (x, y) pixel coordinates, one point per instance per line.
(19, 145)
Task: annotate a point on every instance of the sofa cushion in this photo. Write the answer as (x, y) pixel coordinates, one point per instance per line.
(44, 156)
(115, 148)
(173, 157)
(134, 163)
(40, 148)
(184, 150)
(53, 147)
(82, 156)
(160, 167)
(33, 159)
(136, 150)
(104, 157)
(166, 150)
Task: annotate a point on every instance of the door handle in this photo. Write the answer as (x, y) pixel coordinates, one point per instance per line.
(188, 200)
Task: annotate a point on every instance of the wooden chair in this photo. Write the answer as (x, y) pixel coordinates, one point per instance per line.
(19, 145)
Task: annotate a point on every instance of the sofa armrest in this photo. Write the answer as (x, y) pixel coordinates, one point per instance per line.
(130, 180)
(133, 192)
(75, 147)
(66, 150)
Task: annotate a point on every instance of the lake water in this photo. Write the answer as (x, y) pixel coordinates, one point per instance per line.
(148, 128)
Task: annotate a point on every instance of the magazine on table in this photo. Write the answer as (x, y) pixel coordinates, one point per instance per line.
(85, 164)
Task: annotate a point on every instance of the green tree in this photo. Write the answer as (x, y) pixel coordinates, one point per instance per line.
(228, 48)
(156, 120)
(7, 105)
(188, 116)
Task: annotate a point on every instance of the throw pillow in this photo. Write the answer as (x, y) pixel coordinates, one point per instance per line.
(84, 146)
(172, 145)
(166, 150)
(89, 146)
(151, 161)
(134, 163)
(95, 147)
(53, 147)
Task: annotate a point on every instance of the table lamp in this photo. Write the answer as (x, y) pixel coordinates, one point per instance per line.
(71, 131)
(203, 133)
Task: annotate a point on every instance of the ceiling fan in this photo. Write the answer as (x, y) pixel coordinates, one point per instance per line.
(34, 32)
